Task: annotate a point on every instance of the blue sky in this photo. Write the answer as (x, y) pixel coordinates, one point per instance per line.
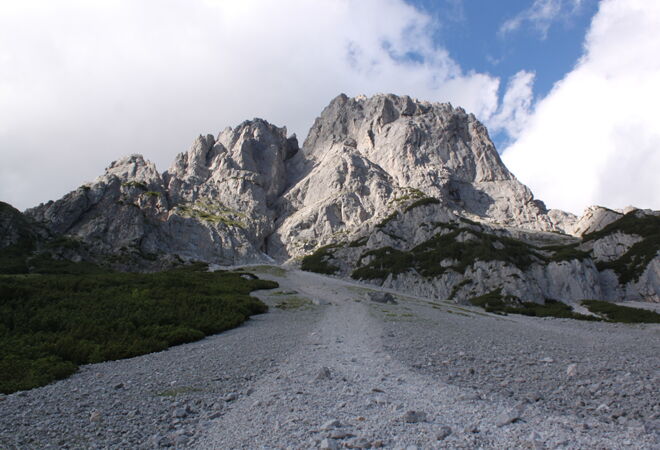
(566, 87)
(471, 31)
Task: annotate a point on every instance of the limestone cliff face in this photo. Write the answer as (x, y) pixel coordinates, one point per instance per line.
(214, 204)
(414, 188)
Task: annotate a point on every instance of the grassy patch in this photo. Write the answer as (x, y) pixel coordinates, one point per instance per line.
(360, 242)
(294, 303)
(216, 213)
(422, 202)
(618, 313)
(495, 302)
(270, 270)
(477, 245)
(630, 266)
(408, 193)
(135, 184)
(386, 261)
(645, 226)
(321, 260)
(426, 257)
(566, 253)
(50, 324)
(387, 219)
(457, 287)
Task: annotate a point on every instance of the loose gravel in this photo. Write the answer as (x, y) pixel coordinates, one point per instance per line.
(337, 369)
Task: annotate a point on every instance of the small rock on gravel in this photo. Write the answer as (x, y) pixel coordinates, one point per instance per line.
(327, 444)
(179, 413)
(323, 374)
(414, 417)
(510, 416)
(571, 370)
(359, 443)
(443, 433)
(331, 424)
(231, 397)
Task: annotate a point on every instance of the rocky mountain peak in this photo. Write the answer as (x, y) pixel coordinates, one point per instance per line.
(383, 180)
(397, 132)
(133, 168)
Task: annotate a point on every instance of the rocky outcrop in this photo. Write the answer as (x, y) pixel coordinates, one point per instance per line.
(214, 204)
(16, 229)
(388, 189)
(593, 219)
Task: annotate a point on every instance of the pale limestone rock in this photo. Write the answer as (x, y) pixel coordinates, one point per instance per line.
(593, 219)
(374, 172)
(611, 247)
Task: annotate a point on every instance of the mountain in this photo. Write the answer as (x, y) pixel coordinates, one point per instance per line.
(388, 189)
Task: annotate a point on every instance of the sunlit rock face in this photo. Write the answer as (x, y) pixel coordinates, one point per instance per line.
(384, 172)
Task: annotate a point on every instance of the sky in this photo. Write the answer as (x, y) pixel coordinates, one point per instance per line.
(567, 88)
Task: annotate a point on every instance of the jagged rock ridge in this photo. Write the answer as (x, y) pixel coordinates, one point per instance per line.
(378, 173)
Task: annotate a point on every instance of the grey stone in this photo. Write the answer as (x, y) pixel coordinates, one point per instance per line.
(331, 424)
(510, 416)
(179, 413)
(230, 397)
(328, 444)
(323, 374)
(443, 433)
(414, 416)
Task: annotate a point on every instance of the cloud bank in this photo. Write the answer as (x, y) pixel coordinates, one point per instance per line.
(83, 83)
(595, 139)
(541, 15)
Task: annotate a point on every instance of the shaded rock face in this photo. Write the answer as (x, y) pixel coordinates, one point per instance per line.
(213, 204)
(16, 229)
(435, 148)
(378, 173)
(593, 219)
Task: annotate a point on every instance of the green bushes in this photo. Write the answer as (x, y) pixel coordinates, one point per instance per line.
(359, 242)
(422, 202)
(386, 260)
(426, 257)
(495, 302)
(645, 226)
(387, 219)
(618, 313)
(630, 266)
(460, 248)
(566, 253)
(50, 324)
(320, 261)
(135, 184)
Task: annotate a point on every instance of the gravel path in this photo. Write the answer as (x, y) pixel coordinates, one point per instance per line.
(342, 371)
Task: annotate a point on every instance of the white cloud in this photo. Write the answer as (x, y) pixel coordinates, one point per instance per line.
(513, 114)
(541, 15)
(83, 83)
(595, 138)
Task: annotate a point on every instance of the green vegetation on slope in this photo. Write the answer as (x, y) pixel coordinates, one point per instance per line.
(461, 247)
(618, 313)
(320, 260)
(630, 266)
(426, 257)
(422, 202)
(645, 226)
(495, 302)
(50, 324)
